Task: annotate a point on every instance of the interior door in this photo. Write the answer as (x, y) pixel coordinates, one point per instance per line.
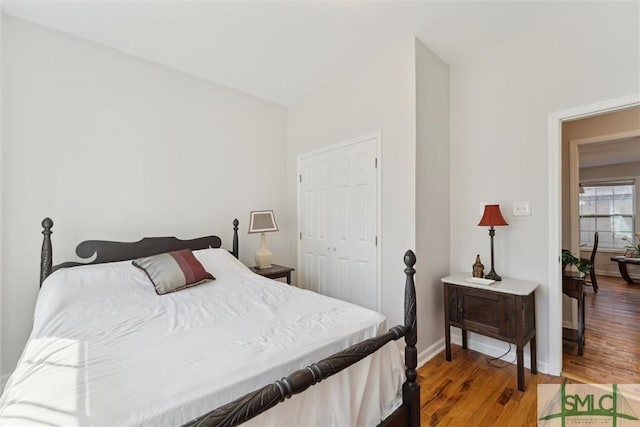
(338, 193)
(313, 194)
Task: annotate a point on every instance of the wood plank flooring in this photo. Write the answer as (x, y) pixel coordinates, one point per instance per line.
(470, 392)
(612, 345)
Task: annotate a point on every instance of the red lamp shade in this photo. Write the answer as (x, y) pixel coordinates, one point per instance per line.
(492, 216)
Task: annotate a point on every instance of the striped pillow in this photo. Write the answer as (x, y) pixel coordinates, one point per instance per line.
(173, 271)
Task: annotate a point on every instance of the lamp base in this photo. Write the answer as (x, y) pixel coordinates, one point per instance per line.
(263, 256)
(493, 276)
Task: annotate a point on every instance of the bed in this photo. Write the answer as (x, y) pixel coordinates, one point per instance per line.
(107, 350)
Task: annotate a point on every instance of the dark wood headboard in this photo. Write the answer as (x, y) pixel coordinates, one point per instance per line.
(108, 251)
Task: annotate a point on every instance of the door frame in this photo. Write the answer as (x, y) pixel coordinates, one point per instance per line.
(554, 166)
(377, 135)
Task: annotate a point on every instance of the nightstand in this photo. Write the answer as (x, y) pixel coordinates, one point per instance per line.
(503, 310)
(275, 272)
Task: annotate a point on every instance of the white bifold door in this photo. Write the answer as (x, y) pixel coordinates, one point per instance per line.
(338, 206)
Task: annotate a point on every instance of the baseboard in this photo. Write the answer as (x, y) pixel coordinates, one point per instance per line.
(430, 352)
(481, 344)
(495, 348)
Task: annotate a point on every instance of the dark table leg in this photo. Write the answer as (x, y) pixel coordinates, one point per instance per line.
(534, 355)
(288, 278)
(581, 322)
(520, 366)
(622, 266)
(532, 344)
(447, 342)
(521, 303)
(447, 328)
(464, 338)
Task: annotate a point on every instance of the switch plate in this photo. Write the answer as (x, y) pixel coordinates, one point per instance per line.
(522, 208)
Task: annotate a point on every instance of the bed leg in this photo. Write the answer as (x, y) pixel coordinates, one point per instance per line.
(411, 389)
(46, 254)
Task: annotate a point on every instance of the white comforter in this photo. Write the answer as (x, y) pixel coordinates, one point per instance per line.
(106, 350)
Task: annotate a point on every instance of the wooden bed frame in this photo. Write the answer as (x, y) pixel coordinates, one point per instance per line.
(258, 401)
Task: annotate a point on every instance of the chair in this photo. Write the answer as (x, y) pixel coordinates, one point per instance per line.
(592, 262)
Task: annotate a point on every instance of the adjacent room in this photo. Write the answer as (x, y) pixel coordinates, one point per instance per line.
(208, 207)
(601, 167)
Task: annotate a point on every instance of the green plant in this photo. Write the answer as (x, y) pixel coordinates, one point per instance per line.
(632, 244)
(569, 259)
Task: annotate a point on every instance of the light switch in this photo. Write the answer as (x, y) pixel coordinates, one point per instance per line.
(522, 208)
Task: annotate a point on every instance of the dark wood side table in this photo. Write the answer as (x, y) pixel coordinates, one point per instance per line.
(622, 266)
(504, 310)
(573, 287)
(275, 272)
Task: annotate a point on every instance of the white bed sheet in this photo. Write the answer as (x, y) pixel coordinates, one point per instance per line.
(106, 350)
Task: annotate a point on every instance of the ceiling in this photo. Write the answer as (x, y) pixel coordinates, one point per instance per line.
(282, 51)
(626, 150)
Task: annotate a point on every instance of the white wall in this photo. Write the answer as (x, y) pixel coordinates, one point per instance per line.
(378, 96)
(115, 147)
(382, 95)
(432, 193)
(501, 98)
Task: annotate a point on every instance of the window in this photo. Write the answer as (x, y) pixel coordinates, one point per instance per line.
(609, 209)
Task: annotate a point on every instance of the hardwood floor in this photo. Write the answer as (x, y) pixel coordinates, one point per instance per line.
(470, 392)
(612, 343)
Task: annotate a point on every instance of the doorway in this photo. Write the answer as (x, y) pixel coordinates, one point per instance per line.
(339, 219)
(556, 209)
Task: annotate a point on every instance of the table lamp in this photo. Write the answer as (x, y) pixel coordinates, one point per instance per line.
(262, 222)
(492, 217)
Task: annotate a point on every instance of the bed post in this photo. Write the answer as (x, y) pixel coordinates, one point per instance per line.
(411, 389)
(46, 255)
(235, 238)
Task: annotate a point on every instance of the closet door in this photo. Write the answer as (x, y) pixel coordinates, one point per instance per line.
(338, 193)
(313, 222)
